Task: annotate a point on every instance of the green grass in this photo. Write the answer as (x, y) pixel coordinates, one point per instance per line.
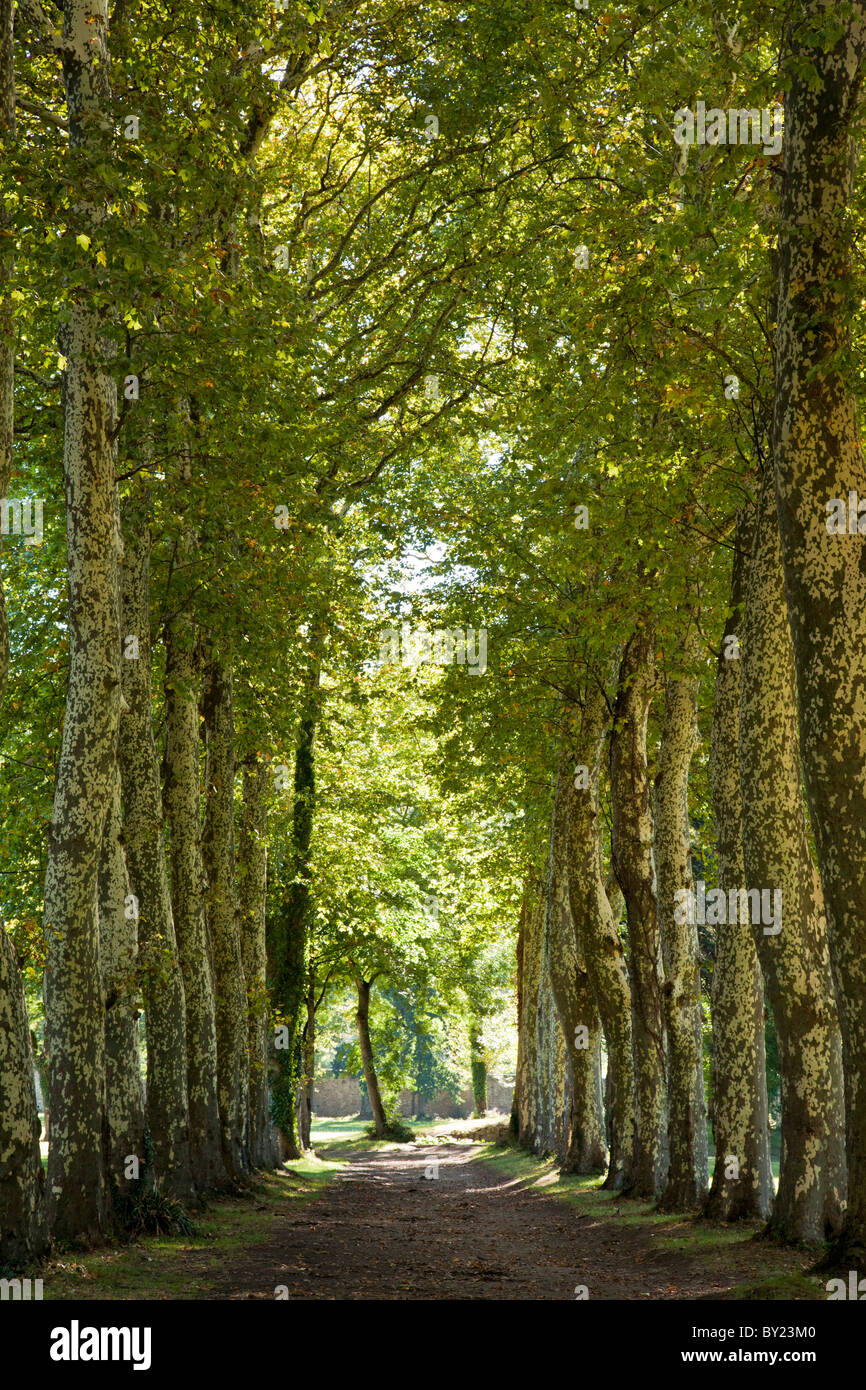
(348, 1135)
(330, 1132)
(779, 1287)
(350, 1130)
(543, 1176)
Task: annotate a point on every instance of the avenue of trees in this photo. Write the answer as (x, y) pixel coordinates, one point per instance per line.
(432, 570)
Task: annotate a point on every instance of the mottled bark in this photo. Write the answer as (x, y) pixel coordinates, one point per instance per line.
(218, 847)
(118, 952)
(520, 1066)
(22, 1187)
(8, 143)
(547, 1081)
(362, 1018)
(742, 1186)
(182, 801)
(562, 1086)
(78, 1193)
(576, 1007)
(598, 937)
(252, 887)
(818, 456)
(530, 979)
(23, 1233)
(631, 854)
(73, 990)
(794, 960)
(287, 932)
(548, 1086)
(687, 1112)
(162, 981)
(611, 887)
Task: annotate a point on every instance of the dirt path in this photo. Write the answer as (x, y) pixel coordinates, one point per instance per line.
(382, 1230)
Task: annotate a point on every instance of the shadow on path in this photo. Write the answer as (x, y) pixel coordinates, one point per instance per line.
(423, 1222)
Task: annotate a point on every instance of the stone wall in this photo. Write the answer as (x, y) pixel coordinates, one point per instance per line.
(341, 1095)
(336, 1095)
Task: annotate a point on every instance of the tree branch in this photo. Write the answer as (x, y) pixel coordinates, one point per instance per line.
(37, 109)
(48, 383)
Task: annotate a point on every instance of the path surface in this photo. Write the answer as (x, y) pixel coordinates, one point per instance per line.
(382, 1230)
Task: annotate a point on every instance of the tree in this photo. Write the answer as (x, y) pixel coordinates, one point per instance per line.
(78, 1192)
(687, 1123)
(817, 457)
(632, 840)
(742, 1178)
(22, 1229)
(792, 946)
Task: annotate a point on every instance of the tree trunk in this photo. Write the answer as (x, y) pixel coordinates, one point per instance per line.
(182, 800)
(118, 952)
(162, 981)
(287, 936)
(598, 937)
(549, 1058)
(479, 1069)
(818, 457)
(218, 845)
(308, 1060)
(362, 1019)
(78, 1198)
(287, 948)
(742, 1185)
(687, 1111)
(795, 960)
(533, 936)
(631, 852)
(23, 1235)
(520, 1066)
(22, 1185)
(78, 1192)
(578, 1014)
(561, 1088)
(252, 888)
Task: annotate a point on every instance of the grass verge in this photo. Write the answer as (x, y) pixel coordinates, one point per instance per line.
(185, 1267)
(731, 1255)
